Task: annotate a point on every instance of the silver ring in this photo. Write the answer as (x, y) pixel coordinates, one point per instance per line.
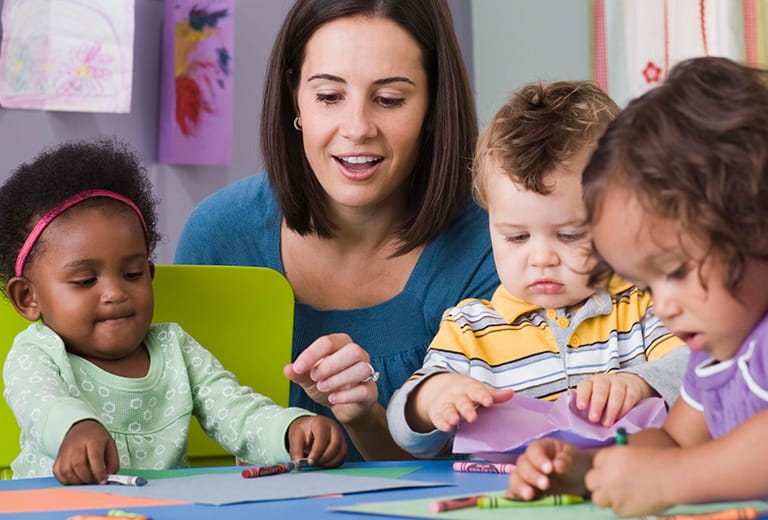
(373, 377)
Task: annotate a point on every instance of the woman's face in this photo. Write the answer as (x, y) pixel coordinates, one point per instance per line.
(362, 98)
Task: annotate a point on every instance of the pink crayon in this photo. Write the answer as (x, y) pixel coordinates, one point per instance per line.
(453, 504)
(483, 467)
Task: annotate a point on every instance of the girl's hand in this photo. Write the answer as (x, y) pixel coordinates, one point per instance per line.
(611, 396)
(444, 400)
(625, 478)
(86, 455)
(549, 466)
(318, 439)
(333, 371)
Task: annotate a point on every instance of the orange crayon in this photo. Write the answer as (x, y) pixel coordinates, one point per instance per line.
(742, 513)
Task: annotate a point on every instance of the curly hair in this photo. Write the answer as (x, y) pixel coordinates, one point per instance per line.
(541, 127)
(57, 174)
(695, 150)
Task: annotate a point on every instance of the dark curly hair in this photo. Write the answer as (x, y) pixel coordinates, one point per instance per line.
(61, 172)
(695, 150)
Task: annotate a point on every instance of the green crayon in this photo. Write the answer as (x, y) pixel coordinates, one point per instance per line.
(549, 500)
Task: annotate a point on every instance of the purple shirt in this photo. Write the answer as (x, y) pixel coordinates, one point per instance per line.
(731, 391)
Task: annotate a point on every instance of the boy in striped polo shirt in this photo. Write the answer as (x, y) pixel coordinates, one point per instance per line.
(547, 329)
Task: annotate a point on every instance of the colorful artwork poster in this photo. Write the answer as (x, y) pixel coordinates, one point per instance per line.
(72, 55)
(197, 82)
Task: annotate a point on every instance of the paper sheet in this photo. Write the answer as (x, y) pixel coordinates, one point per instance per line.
(420, 509)
(68, 499)
(504, 430)
(229, 488)
(74, 55)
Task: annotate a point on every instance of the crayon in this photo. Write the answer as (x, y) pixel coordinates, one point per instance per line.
(483, 467)
(622, 439)
(106, 517)
(549, 500)
(275, 469)
(743, 513)
(453, 504)
(126, 480)
(118, 513)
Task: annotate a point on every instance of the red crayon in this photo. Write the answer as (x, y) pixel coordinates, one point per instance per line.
(483, 467)
(453, 504)
(274, 469)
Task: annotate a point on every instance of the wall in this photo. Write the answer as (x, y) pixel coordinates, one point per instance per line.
(517, 41)
(23, 133)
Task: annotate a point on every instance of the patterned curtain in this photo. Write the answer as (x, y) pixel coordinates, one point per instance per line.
(636, 42)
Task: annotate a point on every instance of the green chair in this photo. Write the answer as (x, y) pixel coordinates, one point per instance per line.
(244, 315)
(11, 323)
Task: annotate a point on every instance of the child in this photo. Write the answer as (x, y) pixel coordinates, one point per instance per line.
(678, 194)
(93, 385)
(545, 330)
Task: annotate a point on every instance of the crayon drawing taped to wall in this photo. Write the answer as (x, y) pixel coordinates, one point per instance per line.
(197, 82)
(74, 55)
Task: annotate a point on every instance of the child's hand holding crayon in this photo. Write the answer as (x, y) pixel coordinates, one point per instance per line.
(318, 439)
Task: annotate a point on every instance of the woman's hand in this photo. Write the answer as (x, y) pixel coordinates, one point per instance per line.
(336, 372)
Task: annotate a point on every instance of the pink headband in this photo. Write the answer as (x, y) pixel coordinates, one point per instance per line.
(29, 243)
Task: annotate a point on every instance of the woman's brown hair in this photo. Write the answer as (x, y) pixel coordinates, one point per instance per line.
(440, 183)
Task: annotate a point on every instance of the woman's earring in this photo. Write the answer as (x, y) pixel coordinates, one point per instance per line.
(297, 123)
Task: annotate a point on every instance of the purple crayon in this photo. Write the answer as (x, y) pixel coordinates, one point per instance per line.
(483, 467)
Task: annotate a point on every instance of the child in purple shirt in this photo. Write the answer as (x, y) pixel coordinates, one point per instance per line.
(677, 194)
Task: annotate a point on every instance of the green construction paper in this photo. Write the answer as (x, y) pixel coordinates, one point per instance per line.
(388, 472)
(151, 474)
(420, 509)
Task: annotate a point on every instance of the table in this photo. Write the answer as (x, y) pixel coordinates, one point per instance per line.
(306, 508)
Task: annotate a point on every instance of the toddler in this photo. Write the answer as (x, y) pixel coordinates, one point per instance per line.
(546, 330)
(677, 192)
(93, 385)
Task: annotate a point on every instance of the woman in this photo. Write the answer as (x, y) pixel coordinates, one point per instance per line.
(367, 134)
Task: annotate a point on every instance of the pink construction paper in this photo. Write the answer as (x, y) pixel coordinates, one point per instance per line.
(503, 431)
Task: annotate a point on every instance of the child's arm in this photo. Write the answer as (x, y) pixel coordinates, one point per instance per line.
(609, 397)
(732, 467)
(443, 400)
(549, 466)
(249, 425)
(87, 455)
(38, 379)
(423, 413)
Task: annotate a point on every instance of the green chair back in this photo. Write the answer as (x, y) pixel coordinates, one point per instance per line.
(243, 315)
(11, 323)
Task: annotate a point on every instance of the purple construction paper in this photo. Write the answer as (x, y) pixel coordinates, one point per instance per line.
(504, 430)
(196, 91)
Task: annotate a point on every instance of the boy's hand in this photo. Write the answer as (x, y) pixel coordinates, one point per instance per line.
(318, 439)
(86, 455)
(611, 396)
(625, 478)
(549, 466)
(443, 400)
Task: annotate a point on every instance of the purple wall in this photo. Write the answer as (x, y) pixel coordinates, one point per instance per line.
(23, 133)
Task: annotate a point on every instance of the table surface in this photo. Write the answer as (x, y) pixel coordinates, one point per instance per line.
(432, 471)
